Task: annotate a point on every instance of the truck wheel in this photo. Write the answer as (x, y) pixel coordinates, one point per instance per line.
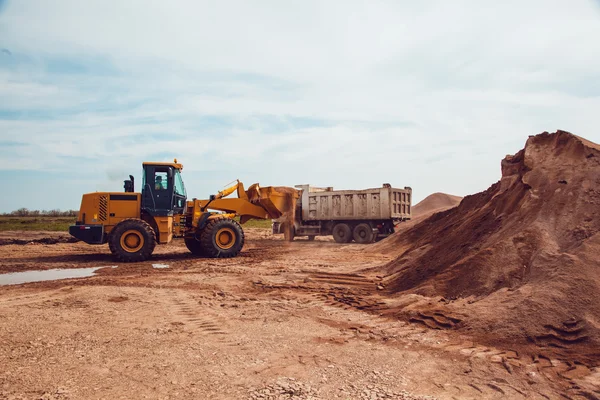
(222, 238)
(194, 246)
(363, 233)
(342, 233)
(132, 240)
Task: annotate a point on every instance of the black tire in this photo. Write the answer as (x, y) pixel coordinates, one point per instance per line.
(363, 233)
(194, 246)
(132, 240)
(222, 238)
(342, 233)
(311, 238)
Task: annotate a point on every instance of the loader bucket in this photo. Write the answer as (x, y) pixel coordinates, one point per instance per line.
(277, 201)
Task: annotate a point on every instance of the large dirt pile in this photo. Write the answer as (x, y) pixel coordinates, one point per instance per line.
(434, 203)
(520, 262)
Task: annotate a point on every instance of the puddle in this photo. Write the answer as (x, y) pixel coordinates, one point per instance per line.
(15, 278)
(159, 266)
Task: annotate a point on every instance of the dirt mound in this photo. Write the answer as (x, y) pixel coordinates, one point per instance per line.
(5, 242)
(34, 237)
(517, 264)
(435, 202)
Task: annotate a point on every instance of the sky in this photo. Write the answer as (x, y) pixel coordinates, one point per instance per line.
(351, 94)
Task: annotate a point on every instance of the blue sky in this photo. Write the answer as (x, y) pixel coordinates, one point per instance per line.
(349, 94)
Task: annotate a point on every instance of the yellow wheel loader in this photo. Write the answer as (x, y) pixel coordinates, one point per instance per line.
(133, 223)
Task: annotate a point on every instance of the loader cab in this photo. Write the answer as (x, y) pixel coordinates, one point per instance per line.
(163, 192)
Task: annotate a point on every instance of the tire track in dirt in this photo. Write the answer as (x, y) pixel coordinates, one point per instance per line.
(195, 318)
(343, 295)
(40, 299)
(345, 280)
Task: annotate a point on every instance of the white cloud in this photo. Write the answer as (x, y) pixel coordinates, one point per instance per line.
(344, 93)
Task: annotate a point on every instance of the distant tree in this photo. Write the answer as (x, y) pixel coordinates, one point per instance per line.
(21, 212)
(25, 212)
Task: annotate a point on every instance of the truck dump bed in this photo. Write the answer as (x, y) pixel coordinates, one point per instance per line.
(370, 204)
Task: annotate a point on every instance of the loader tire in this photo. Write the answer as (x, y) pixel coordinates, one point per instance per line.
(194, 246)
(342, 233)
(222, 238)
(132, 240)
(363, 233)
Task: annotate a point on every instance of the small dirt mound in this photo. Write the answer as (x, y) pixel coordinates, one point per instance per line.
(519, 261)
(435, 202)
(54, 239)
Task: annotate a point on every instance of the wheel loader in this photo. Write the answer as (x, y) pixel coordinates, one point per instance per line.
(133, 223)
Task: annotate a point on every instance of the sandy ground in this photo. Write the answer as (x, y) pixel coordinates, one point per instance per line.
(281, 321)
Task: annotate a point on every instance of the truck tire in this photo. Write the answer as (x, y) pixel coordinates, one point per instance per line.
(132, 240)
(363, 233)
(342, 233)
(222, 238)
(194, 246)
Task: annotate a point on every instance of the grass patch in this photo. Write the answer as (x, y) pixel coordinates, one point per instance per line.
(36, 223)
(257, 223)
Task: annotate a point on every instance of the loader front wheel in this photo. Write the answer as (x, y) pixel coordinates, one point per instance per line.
(222, 238)
(342, 233)
(132, 240)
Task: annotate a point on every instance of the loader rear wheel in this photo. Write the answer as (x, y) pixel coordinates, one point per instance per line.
(132, 240)
(363, 233)
(222, 238)
(342, 233)
(194, 246)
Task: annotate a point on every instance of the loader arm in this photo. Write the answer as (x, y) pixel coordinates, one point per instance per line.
(260, 203)
(240, 207)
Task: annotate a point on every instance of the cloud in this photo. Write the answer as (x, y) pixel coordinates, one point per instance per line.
(429, 95)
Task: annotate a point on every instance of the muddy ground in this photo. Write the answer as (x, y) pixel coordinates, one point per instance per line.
(301, 320)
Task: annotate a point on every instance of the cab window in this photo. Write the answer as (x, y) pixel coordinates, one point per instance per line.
(179, 188)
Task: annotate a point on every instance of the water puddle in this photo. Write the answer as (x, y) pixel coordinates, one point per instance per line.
(16, 278)
(159, 266)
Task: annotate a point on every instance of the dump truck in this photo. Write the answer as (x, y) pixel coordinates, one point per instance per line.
(359, 215)
(133, 223)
